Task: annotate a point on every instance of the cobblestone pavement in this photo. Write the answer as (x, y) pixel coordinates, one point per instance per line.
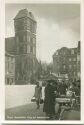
(29, 112)
(25, 112)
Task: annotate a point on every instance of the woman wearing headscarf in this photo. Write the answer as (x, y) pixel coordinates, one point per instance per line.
(49, 100)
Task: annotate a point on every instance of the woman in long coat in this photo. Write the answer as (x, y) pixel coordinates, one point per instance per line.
(49, 101)
(38, 94)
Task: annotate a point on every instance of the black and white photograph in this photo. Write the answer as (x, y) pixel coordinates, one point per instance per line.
(36, 124)
(42, 61)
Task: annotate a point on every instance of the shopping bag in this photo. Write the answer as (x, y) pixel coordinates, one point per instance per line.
(33, 99)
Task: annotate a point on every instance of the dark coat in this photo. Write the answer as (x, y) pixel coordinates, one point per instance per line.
(62, 89)
(49, 101)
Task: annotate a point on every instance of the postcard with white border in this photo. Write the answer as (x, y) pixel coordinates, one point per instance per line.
(43, 76)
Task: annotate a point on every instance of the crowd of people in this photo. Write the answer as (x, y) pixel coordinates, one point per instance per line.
(54, 89)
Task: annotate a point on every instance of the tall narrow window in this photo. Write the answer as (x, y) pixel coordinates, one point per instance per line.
(64, 66)
(25, 48)
(70, 59)
(31, 49)
(28, 38)
(24, 38)
(69, 66)
(34, 40)
(31, 40)
(34, 50)
(72, 51)
(28, 23)
(17, 39)
(28, 49)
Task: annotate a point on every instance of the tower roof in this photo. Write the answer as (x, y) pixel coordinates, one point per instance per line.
(24, 13)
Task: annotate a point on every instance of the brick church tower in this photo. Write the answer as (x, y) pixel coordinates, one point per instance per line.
(25, 38)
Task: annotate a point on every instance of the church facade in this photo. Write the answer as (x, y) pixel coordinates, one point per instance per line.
(23, 47)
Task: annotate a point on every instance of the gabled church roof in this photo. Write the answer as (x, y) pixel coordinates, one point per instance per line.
(24, 13)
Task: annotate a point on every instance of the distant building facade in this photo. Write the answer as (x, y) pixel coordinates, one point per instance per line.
(65, 62)
(10, 69)
(23, 46)
(78, 61)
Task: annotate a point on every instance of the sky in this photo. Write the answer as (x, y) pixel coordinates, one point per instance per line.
(58, 25)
